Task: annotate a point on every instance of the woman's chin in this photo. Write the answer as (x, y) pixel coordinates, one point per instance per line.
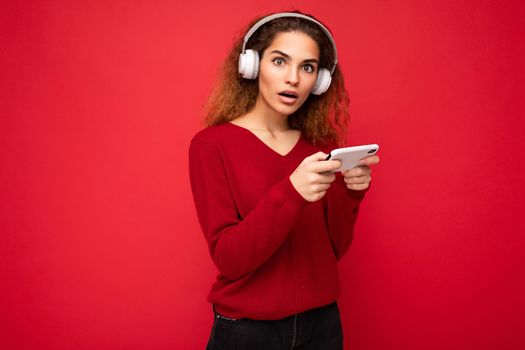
(286, 109)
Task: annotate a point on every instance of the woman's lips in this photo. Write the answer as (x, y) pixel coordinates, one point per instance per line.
(288, 97)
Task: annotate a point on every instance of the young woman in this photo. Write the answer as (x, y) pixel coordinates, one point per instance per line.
(276, 216)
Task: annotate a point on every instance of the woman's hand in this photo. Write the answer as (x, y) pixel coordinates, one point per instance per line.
(359, 178)
(314, 175)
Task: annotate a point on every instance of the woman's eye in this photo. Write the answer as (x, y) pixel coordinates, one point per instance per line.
(308, 68)
(278, 61)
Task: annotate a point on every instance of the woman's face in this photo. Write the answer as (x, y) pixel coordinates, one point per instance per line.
(288, 71)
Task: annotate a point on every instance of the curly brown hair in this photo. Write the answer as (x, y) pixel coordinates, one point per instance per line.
(322, 119)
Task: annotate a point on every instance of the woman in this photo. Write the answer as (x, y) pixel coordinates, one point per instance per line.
(276, 216)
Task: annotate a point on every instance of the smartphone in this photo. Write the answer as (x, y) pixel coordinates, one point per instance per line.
(350, 156)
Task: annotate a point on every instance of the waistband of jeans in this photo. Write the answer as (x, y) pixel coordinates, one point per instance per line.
(332, 304)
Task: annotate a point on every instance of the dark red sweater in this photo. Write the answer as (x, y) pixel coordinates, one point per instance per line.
(276, 252)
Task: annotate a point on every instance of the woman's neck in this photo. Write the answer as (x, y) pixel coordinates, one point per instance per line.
(260, 117)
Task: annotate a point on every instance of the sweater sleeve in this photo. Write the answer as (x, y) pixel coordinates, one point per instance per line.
(238, 246)
(341, 207)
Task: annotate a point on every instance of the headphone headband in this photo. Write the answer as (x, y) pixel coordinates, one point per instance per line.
(290, 14)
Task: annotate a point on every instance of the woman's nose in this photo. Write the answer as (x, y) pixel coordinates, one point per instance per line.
(292, 76)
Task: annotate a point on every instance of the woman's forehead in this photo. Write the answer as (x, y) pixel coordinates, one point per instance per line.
(295, 44)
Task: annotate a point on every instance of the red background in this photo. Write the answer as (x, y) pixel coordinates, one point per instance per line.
(100, 244)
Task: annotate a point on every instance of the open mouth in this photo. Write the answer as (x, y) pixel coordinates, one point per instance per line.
(288, 94)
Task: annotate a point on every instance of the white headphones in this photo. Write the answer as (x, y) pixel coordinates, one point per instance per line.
(249, 59)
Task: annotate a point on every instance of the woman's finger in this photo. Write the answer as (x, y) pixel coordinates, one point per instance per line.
(358, 179)
(357, 171)
(357, 187)
(370, 160)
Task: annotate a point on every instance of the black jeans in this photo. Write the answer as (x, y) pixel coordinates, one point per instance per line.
(316, 329)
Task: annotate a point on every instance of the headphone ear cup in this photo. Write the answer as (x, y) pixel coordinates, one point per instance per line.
(249, 64)
(324, 78)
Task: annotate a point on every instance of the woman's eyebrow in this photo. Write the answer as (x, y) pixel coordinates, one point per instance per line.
(309, 60)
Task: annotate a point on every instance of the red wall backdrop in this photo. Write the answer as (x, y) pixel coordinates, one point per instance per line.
(100, 245)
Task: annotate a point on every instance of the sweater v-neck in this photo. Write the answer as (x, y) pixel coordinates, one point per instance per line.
(266, 145)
